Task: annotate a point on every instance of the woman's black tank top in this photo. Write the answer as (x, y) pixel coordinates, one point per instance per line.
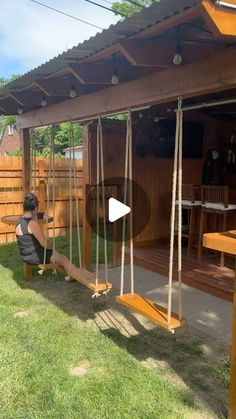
(30, 249)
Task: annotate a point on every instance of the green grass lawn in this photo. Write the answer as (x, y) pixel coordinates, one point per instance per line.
(55, 364)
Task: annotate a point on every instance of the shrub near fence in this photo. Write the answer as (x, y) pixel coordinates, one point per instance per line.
(11, 192)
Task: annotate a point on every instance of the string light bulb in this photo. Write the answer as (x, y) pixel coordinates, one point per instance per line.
(43, 102)
(72, 91)
(177, 59)
(114, 77)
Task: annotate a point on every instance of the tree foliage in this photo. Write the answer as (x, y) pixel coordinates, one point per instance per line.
(7, 120)
(128, 8)
(61, 134)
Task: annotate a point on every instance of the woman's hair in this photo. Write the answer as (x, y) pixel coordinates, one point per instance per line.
(31, 202)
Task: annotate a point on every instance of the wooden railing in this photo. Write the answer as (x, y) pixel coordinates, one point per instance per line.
(11, 193)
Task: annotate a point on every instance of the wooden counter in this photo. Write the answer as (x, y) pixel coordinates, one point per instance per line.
(226, 242)
(223, 242)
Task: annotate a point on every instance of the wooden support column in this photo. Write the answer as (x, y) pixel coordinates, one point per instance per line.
(25, 142)
(87, 243)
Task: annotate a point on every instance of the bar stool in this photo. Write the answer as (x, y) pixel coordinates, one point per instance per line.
(215, 200)
(191, 203)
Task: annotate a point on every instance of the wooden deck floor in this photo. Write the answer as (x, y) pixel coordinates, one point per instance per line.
(206, 276)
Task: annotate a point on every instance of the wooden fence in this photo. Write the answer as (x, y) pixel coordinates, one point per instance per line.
(11, 193)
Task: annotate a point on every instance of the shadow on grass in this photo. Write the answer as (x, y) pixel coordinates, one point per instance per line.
(180, 358)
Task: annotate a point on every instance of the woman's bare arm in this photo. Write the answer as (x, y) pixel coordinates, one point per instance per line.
(35, 228)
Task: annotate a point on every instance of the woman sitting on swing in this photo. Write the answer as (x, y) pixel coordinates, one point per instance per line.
(31, 239)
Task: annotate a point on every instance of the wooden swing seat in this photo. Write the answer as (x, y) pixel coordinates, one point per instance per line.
(81, 275)
(87, 279)
(150, 310)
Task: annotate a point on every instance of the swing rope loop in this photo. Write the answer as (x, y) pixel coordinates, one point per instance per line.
(100, 178)
(97, 199)
(128, 171)
(53, 187)
(180, 184)
(177, 171)
(77, 204)
(48, 187)
(103, 200)
(70, 194)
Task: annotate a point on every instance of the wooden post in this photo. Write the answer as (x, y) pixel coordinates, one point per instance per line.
(27, 271)
(232, 386)
(86, 228)
(25, 141)
(42, 197)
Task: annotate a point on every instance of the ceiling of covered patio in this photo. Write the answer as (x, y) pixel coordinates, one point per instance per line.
(140, 48)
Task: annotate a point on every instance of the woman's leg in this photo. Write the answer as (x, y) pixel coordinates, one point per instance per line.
(61, 260)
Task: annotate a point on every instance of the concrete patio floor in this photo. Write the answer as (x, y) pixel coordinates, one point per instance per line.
(207, 314)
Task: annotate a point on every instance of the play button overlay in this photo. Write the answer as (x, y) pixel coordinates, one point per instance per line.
(117, 210)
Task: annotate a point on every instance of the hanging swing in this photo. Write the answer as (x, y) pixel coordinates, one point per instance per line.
(79, 274)
(85, 277)
(159, 315)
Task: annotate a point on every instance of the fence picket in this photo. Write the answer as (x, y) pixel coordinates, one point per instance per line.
(11, 192)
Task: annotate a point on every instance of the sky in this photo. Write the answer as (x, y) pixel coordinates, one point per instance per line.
(31, 34)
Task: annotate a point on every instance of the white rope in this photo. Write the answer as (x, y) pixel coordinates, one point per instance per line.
(33, 163)
(31, 160)
(97, 201)
(53, 189)
(172, 219)
(125, 202)
(130, 204)
(48, 200)
(77, 206)
(103, 200)
(180, 207)
(70, 194)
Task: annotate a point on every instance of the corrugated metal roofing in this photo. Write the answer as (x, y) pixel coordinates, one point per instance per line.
(148, 17)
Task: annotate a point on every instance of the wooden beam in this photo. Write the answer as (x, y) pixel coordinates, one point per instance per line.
(88, 73)
(2, 109)
(14, 97)
(160, 27)
(143, 53)
(59, 87)
(33, 98)
(25, 142)
(214, 74)
(221, 20)
(161, 53)
(9, 105)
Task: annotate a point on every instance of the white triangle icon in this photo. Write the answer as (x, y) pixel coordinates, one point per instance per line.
(116, 210)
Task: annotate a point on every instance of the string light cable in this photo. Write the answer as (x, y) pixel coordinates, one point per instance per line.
(66, 14)
(106, 8)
